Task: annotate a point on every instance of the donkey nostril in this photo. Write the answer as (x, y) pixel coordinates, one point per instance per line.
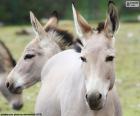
(99, 96)
(86, 96)
(19, 87)
(7, 84)
(18, 90)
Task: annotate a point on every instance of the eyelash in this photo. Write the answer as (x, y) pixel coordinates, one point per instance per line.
(29, 56)
(109, 58)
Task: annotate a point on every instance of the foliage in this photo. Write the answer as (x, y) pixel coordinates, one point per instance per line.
(17, 11)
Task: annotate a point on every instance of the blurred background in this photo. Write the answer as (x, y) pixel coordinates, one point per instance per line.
(16, 32)
(17, 11)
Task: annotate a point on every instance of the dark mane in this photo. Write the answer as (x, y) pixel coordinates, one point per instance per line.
(100, 27)
(67, 38)
(78, 45)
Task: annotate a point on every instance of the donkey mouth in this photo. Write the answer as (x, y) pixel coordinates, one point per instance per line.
(95, 107)
(17, 106)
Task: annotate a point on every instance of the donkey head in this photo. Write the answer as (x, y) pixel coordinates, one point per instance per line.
(98, 55)
(28, 69)
(14, 100)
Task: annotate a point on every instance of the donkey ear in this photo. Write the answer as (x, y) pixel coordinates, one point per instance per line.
(37, 27)
(112, 21)
(81, 25)
(53, 20)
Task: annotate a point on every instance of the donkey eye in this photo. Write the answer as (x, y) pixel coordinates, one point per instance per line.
(109, 58)
(29, 56)
(83, 59)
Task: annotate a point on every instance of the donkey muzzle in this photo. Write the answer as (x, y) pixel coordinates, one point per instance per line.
(14, 89)
(17, 106)
(94, 100)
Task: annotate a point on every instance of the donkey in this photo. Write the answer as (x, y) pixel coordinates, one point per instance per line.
(48, 41)
(82, 83)
(7, 62)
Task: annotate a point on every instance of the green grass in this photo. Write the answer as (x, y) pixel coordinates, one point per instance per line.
(127, 66)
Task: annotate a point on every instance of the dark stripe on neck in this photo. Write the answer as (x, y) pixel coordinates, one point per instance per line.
(77, 45)
(67, 38)
(100, 27)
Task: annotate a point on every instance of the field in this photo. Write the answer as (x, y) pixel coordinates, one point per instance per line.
(127, 66)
